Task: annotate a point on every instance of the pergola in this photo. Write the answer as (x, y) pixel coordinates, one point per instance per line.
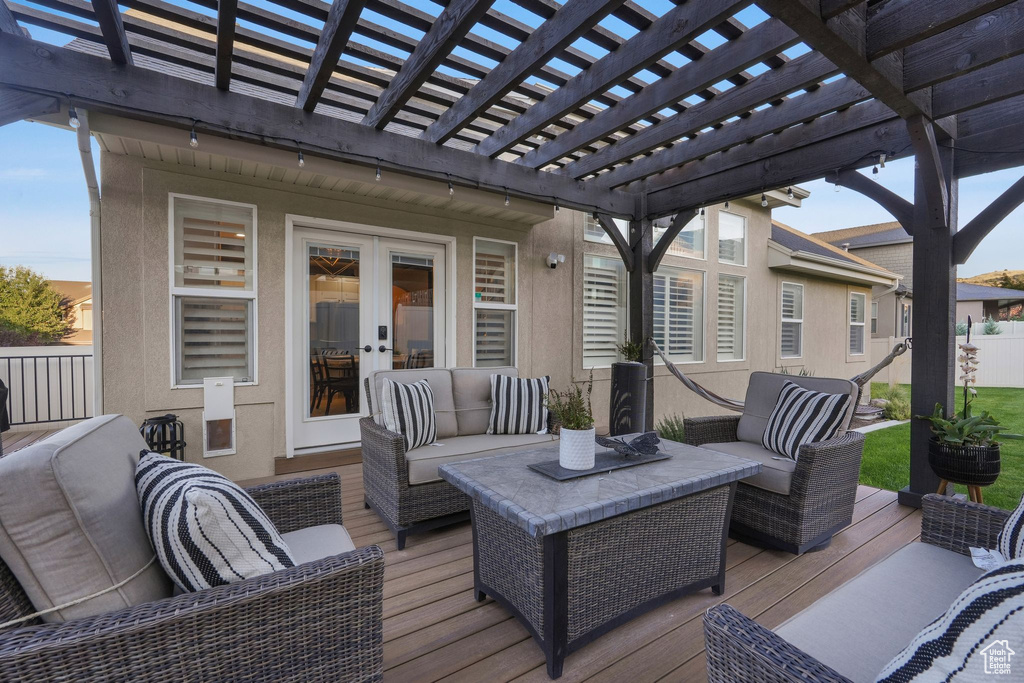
(883, 79)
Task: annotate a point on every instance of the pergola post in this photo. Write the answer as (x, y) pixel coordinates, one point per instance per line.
(932, 369)
(641, 301)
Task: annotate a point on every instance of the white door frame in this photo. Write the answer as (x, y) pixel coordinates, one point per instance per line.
(294, 221)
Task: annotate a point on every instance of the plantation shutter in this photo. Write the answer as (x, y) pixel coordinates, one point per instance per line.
(603, 309)
(677, 314)
(730, 317)
(494, 284)
(493, 338)
(215, 338)
(857, 305)
(494, 279)
(213, 245)
(792, 320)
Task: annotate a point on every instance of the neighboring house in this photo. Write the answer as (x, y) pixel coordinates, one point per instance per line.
(982, 302)
(79, 296)
(281, 277)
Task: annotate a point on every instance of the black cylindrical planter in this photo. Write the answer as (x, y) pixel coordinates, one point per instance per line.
(628, 405)
(969, 465)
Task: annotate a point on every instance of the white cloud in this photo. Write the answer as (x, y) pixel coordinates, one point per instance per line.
(23, 173)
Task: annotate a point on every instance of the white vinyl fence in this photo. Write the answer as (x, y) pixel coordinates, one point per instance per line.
(1000, 359)
(47, 384)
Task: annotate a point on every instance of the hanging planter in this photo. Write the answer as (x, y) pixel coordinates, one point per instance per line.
(627, 402)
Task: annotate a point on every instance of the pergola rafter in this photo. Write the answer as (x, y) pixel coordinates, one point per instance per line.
(636, 133)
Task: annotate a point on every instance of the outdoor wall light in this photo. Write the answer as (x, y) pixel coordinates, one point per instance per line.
(554, 259)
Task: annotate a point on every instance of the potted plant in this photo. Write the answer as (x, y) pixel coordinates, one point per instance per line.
(575, 421)
(964, 449)
(627, 405)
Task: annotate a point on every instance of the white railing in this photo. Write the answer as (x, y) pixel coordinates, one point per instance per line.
(47, 384)
(1000, 357)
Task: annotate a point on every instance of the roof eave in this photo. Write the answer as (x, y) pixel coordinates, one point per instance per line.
(781, 258)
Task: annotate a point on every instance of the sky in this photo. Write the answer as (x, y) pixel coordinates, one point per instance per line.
(44, 207)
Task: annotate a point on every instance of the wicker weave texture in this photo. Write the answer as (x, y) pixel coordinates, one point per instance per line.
(511, 562)
(959, 525)
(300, 503)
(623, 562)
(698, 431)
(739, 650)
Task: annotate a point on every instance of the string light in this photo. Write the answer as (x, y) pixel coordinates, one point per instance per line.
(507, 200)
(789, 192)
(73, 117)
(764, 199)
(557, 207)
(837, 180)
(881, 160)
(451, 188)
(726, 203)
(874, 169)
(377, 174)
(696, 212)
(702, 211)
(193, 141)
(302, 159)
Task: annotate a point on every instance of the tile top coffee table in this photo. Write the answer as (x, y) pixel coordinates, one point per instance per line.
(574, 559)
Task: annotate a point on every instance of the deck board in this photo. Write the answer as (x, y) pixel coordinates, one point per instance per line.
(13, 441)
(435, 630)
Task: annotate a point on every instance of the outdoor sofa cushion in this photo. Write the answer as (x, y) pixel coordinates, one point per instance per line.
(408, 409)
(763, 391)
(70, 522)
(976, 634)
(206, 530)
(472, 388)
(424, 461)
(776, 475)
(440, 381)
(803, 416)
(859, 627)
(317, 542)
(518, 405)
(1011, 538)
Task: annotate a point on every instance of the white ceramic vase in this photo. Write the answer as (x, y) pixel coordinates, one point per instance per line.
(576, 448)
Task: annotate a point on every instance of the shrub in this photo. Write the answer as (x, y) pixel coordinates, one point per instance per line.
(31, 310)
(631, 351)
(670, 427)
(804, 372)
(897, 409)
(991, 326)
(961, 329)
(571, 408)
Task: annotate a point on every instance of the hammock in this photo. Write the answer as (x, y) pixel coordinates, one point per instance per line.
(732, 404)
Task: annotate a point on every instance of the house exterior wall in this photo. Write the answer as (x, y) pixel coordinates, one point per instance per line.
(137, 328)
(896, 258)
(975, 309)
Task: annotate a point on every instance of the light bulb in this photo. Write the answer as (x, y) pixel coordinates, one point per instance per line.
(451, 188)
(881, 160)
(302, 159)
(837, 187)
(73, 117)
(696, 212)
(726, 203)
(789, 192)
(874, 170)
(764, 199)
(377, 174)
(557, 207)
(507, 200)
(193, 141)
(702, 211)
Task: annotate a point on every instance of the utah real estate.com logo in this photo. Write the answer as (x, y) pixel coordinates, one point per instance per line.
(997, 656)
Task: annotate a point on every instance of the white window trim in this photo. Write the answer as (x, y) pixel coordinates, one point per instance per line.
(175, 292)
(874, 316)
(703, 317)
(746, 241)
(851, 324)
(784, 319)
(670, 255)
(744, 357)
(499, 307)
(613, 257)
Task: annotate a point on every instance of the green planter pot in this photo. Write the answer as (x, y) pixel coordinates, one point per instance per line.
(968, 465)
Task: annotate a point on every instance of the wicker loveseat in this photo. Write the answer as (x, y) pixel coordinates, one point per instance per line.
(854, 631)
(792, 506)
(404, 487)
(318, 621)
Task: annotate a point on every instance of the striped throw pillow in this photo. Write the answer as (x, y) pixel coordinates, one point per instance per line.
(206, 530)
(971, 639)
(518, 406)
(1011, 538)
(803, 416)
(408, 409)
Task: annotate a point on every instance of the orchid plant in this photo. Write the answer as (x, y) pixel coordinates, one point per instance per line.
(965, 428)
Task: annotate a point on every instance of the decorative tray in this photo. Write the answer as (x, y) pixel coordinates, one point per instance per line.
(603, 462)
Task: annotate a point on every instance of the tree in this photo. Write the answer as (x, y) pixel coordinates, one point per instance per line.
(1008, 281)
(31, 310)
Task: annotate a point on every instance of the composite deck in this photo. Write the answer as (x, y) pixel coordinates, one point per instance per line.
(13, 441)
(435, 630)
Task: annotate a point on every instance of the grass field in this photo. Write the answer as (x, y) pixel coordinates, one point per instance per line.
(886, 461)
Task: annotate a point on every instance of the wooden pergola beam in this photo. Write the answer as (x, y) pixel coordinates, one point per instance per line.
(991, 150)
(573, 19)
(896, 24)
(901, 209)
(979, 88)
(8, 24)
(764, 40)
(967, 239)
(679, 221)
(799, 73)
(677, 27)
(930, 167)
(153, 96)
(227, 11)
(622, 245)
(828, 98)
(443, 36)
(108, 15)
(341, 20)
(16, 105)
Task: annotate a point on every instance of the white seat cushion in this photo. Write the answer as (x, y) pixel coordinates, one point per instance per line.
(859, 627)
(424, 461)
(317, 542)
(776, 474)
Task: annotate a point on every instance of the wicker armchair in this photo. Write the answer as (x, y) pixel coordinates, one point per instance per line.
(741, 650)
(821, 495)
(317, 621)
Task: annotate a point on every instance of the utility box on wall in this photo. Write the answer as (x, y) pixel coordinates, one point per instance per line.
(218, 416)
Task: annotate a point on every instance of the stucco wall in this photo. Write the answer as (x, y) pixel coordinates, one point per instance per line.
(975, 309)
(136, 324)
(896, 258)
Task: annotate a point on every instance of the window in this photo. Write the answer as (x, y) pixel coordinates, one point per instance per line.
(791, 345)
(679, 313)
(494, 303)
(732, 238)
(905, 319)
(857, 303)
(604, 309)
(690, 241)
(593, 232)
(874, 317)
(213, 290)
(731, 317)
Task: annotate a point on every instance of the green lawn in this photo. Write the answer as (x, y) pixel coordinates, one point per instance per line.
(886, 461)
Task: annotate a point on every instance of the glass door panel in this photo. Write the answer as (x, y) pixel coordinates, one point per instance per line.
(333, 282)
(414, 311)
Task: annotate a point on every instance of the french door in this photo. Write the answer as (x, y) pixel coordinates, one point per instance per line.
(360, 303)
